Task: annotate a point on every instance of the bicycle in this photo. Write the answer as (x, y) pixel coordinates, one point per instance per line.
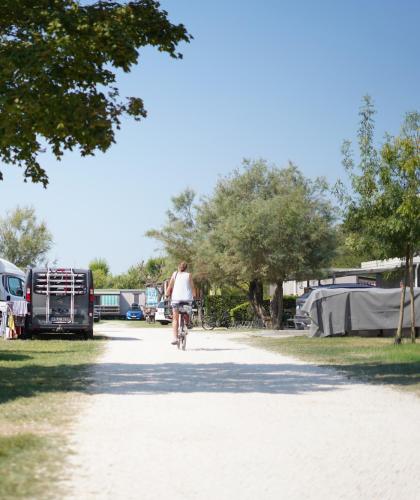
(185, 310)
(223, 320)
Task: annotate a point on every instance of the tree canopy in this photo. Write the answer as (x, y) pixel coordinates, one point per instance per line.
(58, 73)
(264, 224)
(382, 210)
(179, 232)
(23, 240)
(260, 225)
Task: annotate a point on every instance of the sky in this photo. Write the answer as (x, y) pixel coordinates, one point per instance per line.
(273, 79)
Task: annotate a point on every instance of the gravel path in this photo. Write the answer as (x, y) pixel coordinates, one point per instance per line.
(227, 421)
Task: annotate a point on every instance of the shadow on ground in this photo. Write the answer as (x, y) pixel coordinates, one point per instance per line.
(402, 374)
(164, 378)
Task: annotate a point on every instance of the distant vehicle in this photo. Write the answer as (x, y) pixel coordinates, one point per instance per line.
(59, 300)
(12, 281)
(163, 312)
(135, 312)
(301, 320)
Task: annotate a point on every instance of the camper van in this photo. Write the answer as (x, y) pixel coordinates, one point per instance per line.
(11, 281)
(59, 300)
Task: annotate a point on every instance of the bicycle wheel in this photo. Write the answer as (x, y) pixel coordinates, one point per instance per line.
(184, 341)
(208, 323)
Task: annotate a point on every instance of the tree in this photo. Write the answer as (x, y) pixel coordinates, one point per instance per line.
(100, 271)
(23, 240)
(346, 255)
(57, 75)
(155, 270)
(178, 233)
(133, 278)
(265, 224)
(382, 211)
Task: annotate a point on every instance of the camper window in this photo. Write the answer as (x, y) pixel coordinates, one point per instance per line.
(15, 286)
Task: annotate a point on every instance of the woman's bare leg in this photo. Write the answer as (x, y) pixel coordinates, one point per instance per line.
(175, 320)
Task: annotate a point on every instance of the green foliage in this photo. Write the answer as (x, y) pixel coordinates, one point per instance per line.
(100, 271)
(347, 255)
(265, 223)
(155, 270)
(218, 305)
(99, 264)
(134, 278)
(57, 75)
(23, 240)
(381, 213)
(178, 234)
(242, 312)
(137, 276)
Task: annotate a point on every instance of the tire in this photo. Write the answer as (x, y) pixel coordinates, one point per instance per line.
(88, 335)
(184, 342)
(208, 323)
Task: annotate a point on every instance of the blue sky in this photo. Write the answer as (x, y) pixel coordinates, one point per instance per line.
(281, 80)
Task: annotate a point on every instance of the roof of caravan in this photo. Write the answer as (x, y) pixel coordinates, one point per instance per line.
(8, 267)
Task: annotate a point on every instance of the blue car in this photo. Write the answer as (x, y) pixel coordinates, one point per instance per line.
(134, 313)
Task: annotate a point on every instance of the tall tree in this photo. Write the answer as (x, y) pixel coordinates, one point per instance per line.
(100, 271)
(265, 224)
(58, 73)
(23, 240)
(382, 210)
(177, 235)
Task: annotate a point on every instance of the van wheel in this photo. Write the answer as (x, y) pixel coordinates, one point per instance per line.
(88, 335)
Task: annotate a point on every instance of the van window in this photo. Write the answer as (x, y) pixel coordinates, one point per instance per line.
(15, 286)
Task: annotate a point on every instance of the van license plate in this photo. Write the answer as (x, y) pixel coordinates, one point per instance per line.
(58, 319)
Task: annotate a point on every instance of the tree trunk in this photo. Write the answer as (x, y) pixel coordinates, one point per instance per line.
(276, 307)
(398, 336)
(256, 297)
(411, 281)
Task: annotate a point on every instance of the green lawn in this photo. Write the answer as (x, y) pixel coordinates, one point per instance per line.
(374, 360)
(40, 386)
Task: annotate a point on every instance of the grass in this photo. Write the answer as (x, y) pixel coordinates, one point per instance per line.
(40, 386)
(372, 360)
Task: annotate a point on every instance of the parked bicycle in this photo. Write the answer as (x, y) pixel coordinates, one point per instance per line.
(220, 320)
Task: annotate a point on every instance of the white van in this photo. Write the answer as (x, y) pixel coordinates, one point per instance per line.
(12, 281)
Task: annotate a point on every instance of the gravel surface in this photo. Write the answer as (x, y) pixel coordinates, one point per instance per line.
(223, 420)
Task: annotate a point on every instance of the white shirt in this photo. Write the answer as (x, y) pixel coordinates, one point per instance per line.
(182, 290)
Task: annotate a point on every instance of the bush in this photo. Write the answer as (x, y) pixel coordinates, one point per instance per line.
(242, 312)
(217, 305)
(239, 307)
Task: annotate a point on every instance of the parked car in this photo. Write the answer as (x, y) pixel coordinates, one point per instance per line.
(163, 312)
(12, 281)
(59, 300)
(301, 320)
(135, 312)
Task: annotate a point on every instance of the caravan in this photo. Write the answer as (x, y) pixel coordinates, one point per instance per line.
(11, 282)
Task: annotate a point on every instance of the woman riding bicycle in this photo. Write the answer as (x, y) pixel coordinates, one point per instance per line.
(182, 287)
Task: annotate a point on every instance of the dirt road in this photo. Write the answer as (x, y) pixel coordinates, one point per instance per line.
(226, 421)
